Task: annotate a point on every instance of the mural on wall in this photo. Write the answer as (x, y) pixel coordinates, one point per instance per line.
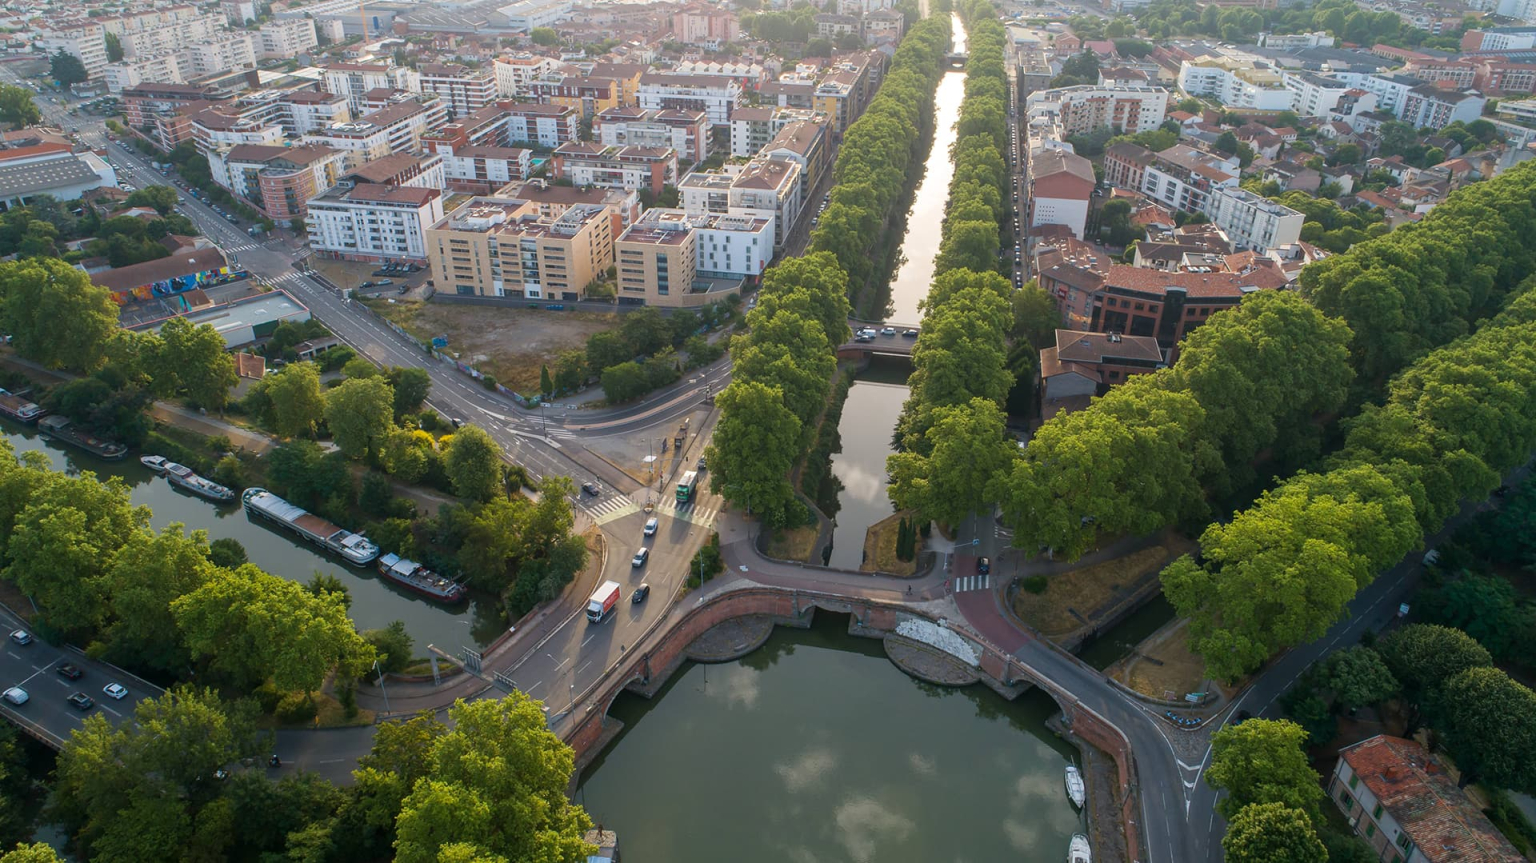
(177, 285)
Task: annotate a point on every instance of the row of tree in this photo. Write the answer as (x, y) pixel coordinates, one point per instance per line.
(782, 369)
(878, 152)
(1281, 571)
(951, 436)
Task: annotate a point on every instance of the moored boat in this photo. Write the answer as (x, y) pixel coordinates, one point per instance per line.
(61, 428)
(1075, 789)
(417, 578)
(1078, 851)
(355, 549)
(20, 409)
(184, 477)
(155, 463)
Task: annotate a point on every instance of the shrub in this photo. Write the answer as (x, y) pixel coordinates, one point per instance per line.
(1036, 584)
(488, 381)
(226, 552)
(295, 707)
(269, 697)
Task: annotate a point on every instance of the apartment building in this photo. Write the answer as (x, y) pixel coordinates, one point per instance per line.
(1168, 306)
(705, 26)
(544, 125)
(1390, 88)
(687, 132)
(1087, 107)
(353, 81)
(625, 75)
(365, 222)
(1429, 107)
(486, 127)
(765, 187)
(587, 96)
(657, 261)
(483, 170)
(462, 89)
(628, 167)
(85, 42)
(1125, 165)
(513, 74)
(287, 38)
(1407, 808)
(752, 128)
(506, 247)
(171, 37)
(278, 181)
(1254, 222)
(1314, 95)
(232, 124)
(621, 205)
(716, 96)
(309, 111)
(1183, 178)
(401, 169)
(807, 144)
(398, 128)
(1060, 187)
(1235, 84)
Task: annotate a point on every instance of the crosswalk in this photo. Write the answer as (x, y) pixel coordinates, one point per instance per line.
(614, 508)
(288, 279)
(972, 582)
(609, 509)
(240, 247)
(697, 513)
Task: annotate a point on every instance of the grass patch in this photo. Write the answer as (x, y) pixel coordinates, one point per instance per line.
(328, 714)
(880, 548)
(1086, 589)
(796, 544)
(1181, 670)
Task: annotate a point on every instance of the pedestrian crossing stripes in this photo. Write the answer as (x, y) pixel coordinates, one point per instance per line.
(604, 511)
(242, 247)
(289, 278)
(972, 582)
(697, 513)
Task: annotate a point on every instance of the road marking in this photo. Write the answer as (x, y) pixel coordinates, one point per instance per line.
(110, 710)
(332, 760)
(588, 638)
(583, 666)
(530, 689)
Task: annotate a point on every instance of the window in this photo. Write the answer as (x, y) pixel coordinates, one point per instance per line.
(1370, 830)
(1376, 813)
(1403, 841)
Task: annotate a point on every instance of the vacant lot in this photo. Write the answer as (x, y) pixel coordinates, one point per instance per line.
(1070, 598)
(1164, 666)
(509, 343)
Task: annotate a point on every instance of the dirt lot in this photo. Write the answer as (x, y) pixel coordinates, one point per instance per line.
(1172, 669)
(880, 548)
(508, 343)
(1084, 590)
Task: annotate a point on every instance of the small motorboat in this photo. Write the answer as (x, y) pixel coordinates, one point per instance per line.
(1078, 851)
(1075, 789)
(155, 463)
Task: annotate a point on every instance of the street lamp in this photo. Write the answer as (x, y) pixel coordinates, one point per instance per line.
(380, 681)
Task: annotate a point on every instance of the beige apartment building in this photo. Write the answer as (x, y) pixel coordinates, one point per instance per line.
(506, 247)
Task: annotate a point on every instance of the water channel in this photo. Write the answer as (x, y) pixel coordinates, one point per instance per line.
(815, 748)
(374, 603)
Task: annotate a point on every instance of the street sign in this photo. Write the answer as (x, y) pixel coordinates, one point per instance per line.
(976, 542)
(1193, 697)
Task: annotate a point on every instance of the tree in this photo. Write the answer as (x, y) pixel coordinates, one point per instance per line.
(37, 293)
(392, 645)
(16, 106)
(67, 69)
(298, 404)
(472, 460)
(545, 36)
(412, 386)
(645, 331)
(546, 383)
(252, 626)
(1263, 761)
(149, 573)
(496, 783)
(1227, 142)
(36, 852)
(1272, 833)
(324, 584)
(754, 446)
(1359, 677)
(605, 350)
(114, 47)
(969, 449)
(360, 414)
(1036, 316)
(226, 552)
(161, 198)
(198, 357)
(1422, 657)
(1488, 723)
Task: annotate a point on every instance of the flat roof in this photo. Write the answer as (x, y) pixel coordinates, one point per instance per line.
(29, 178)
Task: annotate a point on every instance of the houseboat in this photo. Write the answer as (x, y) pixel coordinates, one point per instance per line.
(62, 428)
(183, 477)
(18, 408)
(351, 547)
(417, 578)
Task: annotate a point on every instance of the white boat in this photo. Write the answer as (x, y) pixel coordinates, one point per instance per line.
(183, 476)
(1075, 788)
(155, 463)
(1078, 851)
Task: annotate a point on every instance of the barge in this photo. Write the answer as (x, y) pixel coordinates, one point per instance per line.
(19, 408)
(182, 476)
(351, 547)
(418, 579)
(62, 428)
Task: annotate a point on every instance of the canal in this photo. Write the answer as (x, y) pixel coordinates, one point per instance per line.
(875, 399)
(374, 603)
(816, 748)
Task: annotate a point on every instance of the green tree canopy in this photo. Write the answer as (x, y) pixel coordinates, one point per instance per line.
(473, 462)
(1272, 833)
(1263, 761)
(36, 294)
(360, 414)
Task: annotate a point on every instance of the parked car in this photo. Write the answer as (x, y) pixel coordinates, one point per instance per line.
(16, 695)
(69, 671)
(81, 701)
(366, 285)
(115, 691)
(383, 283)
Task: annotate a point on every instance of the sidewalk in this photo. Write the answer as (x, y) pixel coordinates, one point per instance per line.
(208, 426)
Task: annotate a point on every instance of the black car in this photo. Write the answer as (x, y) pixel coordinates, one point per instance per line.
(983, 565)
(81, 701)
(640, 594)
(591, 488)
(69, 671)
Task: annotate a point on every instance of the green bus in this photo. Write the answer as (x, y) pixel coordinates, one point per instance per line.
(687, 486)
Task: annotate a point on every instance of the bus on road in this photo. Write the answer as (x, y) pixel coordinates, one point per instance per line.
(687, 487)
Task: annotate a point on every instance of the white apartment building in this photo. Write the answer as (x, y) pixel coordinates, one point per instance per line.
(1235, 85)
(483, 169)
(367, 222)
(463, 90)
(172, 37)
(1429, 107)
(238, 12)
(631, 168)
(1254, 222)
(87, 43)
(1183, 178)
(233, 51)
(862, 7)
(732, 246)
(397, 128)
(127, 74)
(1390, 88)
(717, 96)
(765, 188)
(287, 38)
(354, 80)
(687, 132)
(544, 125)
(1314, 95)
(1087, 107)
(513, 74)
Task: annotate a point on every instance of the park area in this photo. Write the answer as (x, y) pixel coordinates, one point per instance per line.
(509, 343)
(1060, 604)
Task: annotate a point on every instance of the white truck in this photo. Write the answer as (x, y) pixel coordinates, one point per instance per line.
(603, 601)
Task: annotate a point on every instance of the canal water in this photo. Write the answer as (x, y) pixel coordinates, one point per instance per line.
(375, 603)
(816, 748)
(920, 245)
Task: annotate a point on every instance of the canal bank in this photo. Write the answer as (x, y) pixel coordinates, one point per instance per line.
(375, 603)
